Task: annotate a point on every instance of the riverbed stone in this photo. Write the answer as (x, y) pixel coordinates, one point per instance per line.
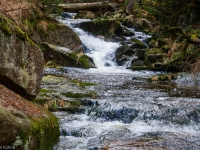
(106, 28)
(25, 125)
(21, 60)
(55, 55)
(85, 15)
(137, 44)
(60, 35)
(140, 53)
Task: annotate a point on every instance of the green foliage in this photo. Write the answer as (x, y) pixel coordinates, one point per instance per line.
(79, 95)
(153, 51)
(181, 12)
(155, 12)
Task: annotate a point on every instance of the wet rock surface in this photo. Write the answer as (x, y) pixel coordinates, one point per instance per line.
(131, 112)
(21, 61)
(23, 123)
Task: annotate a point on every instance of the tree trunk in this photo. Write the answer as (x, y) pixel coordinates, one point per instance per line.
(75, 7)
(129, 7)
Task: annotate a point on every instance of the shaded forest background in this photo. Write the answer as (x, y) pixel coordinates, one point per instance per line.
(177, 22)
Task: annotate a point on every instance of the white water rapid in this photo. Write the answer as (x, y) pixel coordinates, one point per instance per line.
(101, 51)
(128, 112)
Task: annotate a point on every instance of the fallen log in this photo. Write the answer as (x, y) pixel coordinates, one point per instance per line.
(75, 7)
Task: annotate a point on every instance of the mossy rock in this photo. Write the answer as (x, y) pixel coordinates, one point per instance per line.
(138, 62)
(26, 125)
(164, 77)
(153, 58)
(21, 60)
(63, 89)
(79, 95)
(166, 48)
(153, 51)
(154, 55)
(140, 53)
(122, 53)
(85, 15)
(106, 28)
(139, 68)
(62, 56)
(138, 44)
(56, 34)
(161, 42)
(71, 106)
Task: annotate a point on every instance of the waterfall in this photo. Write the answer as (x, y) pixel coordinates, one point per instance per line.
(102, 52)
(128, 112)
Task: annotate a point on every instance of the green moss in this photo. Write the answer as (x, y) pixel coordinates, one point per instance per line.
(84, 62)
(79, 95)
(175, 63)
(139, 68)
(53, 26)
(153, 51)
(45, 90)
(40, 101)
(75, 103)
(83, 84)
(155, 12)
(10, 28)
(43, 132)
(46, 131)
(5, 28)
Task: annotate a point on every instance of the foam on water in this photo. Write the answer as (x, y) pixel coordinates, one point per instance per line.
(102, 52)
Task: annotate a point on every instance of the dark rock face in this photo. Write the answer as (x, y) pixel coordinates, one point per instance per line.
(21, 65)
(60, 35)
(105, 28)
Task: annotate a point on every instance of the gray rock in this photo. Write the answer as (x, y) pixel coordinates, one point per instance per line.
(21, 62)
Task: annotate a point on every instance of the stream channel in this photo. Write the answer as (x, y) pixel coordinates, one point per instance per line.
(129, 112)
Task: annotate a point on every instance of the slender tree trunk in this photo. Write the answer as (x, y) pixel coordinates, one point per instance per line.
(129, 7)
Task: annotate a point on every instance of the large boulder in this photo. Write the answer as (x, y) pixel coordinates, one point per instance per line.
(58, 34)
(61, 56)
(25, 125)
(106, 28)
(21, 61)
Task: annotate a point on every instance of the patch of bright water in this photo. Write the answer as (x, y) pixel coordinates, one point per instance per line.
(129, 107)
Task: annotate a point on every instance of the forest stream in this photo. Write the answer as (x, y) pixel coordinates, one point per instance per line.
(129, 112)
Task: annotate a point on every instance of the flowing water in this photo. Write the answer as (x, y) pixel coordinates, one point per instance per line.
(129, 112)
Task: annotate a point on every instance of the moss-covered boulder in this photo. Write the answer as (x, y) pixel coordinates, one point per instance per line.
(154, 55)
(107, 28)
(65, 94)
(58, 34)
(164, 77)
(122, 53)
(161, 42)
(25, 125)
(137, 44)
(85, 15)
(62, 56)
(140, 53)
(21, 60)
